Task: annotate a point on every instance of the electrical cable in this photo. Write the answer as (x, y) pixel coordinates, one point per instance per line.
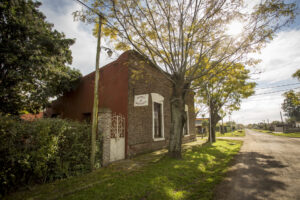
(276, 91)
(83, 4)
(277, 86)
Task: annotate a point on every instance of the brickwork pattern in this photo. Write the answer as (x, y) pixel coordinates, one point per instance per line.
(146, 79)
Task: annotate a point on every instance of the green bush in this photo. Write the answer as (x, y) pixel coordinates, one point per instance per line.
(41, 151)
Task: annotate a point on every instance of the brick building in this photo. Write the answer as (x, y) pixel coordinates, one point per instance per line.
(135, 88)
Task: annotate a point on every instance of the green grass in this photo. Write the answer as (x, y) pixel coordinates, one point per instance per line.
(238, 133)
(193, 177)
(280, 134)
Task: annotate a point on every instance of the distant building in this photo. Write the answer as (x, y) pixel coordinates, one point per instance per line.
(200, 128)
(134, 88)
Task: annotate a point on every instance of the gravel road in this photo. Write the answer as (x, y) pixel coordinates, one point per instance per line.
(267, 167)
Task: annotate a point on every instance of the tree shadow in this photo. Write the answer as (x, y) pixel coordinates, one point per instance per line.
(192, 177)
(250, 177)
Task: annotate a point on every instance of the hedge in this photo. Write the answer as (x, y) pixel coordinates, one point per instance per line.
(41, 151)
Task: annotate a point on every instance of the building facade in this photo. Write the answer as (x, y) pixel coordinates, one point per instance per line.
(134, 88)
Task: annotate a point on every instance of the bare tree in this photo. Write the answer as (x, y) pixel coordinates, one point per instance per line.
(182, 37)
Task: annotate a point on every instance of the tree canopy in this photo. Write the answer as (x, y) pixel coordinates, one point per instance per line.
(34, 58)
(225, 92)
(297, 74)
(291, 105)
(186, 36)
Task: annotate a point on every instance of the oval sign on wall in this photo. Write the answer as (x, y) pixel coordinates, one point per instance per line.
(141, 100)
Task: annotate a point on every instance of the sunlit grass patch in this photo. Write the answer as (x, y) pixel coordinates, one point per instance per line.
(238, 133)
(192, 177)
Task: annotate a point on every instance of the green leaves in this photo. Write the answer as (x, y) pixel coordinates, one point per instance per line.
(225, 89)
(41, 151)
(291, 105)
(34, 59)
(297, 74)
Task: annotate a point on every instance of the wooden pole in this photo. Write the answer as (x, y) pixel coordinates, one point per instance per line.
(210, 133)
(96, 99)
(281, 117)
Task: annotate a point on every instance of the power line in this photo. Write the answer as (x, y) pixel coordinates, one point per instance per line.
(275, 91)
(107, 22)
(91, 9)
(272, 99)
(277, 86)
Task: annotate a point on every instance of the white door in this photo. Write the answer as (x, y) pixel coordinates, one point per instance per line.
(117, 149)
(117, 139)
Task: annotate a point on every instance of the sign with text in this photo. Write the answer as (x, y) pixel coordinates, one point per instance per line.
(141, 100)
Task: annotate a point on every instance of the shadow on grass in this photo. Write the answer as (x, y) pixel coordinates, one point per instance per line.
(250, 177)
(192, 177)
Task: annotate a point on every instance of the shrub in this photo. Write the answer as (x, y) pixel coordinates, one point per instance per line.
(41, 151)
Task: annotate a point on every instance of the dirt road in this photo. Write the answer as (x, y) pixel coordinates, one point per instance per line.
(268, 167)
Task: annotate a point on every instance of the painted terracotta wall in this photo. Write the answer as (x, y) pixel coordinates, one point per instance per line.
(113, 92)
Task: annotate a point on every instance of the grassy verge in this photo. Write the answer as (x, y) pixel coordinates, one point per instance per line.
(280, 134)
(239, 133)
(192, 177)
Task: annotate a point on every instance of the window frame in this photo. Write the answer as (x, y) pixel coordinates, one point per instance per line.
(157, 98)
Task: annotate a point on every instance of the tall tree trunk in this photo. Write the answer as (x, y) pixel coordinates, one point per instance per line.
(215, 117)
(178, 119)
(213, 131)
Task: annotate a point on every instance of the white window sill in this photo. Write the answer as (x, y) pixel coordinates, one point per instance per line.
(158, 139)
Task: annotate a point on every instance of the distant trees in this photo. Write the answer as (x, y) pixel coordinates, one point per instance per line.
(34, 59)
(297, 74)
(225, 92)
(291, 105)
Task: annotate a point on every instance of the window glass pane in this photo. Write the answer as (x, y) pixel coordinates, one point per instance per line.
(157, 120)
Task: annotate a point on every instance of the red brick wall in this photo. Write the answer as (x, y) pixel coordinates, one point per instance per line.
(146, 79)
(113, 92)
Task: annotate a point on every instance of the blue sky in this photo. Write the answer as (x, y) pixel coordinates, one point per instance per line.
(280, 59)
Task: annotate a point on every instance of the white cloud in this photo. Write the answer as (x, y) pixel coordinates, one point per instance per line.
(280, 59)
(84, 49)
(257, 109)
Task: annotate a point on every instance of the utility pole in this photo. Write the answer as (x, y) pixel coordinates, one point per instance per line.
(96, 98)
(96, 86)
(230, 124)
(210, 133)
(223, 132)
(283, 127)
(281, 117)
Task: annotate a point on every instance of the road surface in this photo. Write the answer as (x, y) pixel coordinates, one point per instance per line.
(267, 167)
